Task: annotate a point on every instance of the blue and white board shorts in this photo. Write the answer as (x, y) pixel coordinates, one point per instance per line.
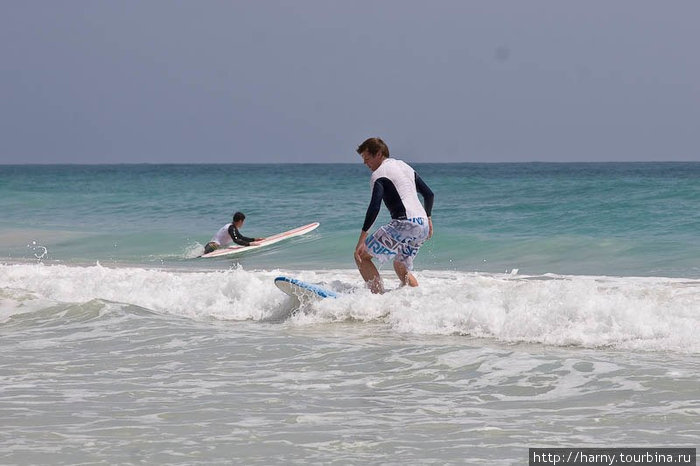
(399, 240)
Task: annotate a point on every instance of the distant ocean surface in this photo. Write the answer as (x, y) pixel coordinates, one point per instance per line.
(559, 306)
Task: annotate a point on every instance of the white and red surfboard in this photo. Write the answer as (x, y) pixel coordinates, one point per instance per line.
(235, 248)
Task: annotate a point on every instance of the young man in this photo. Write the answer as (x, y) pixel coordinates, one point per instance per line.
(229, 233)
(398, 185)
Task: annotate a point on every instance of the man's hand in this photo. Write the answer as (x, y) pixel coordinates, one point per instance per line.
(359, 252)
(360, 249)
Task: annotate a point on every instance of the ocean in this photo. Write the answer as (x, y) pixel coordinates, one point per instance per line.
(558, 306)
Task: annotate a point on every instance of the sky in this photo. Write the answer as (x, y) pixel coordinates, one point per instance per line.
(308, 80)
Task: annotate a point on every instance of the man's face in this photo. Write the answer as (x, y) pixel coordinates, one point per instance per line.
(372, 161)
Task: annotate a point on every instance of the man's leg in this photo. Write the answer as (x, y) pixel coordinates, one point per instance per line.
(370, 273)
(404, 275)
(211, 246)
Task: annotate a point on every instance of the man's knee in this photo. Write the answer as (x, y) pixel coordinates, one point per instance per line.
(365, 256)
(404, 274)
(400, 266)
(211, 247)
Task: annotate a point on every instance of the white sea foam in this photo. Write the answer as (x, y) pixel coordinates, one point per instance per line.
(658, 314)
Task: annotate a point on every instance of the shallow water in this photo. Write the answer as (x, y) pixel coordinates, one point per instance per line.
(559, 306)
(110, 383)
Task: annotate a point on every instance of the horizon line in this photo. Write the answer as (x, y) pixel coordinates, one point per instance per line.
(4, 164)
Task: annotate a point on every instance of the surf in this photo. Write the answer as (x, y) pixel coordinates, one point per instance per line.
(644, 313)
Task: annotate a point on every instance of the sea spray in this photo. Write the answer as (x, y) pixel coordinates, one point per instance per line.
(655, 314)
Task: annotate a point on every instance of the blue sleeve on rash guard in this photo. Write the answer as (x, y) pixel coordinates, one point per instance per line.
(374, 206)
(427, 194)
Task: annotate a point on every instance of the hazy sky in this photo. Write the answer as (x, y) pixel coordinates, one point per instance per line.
(307, 81)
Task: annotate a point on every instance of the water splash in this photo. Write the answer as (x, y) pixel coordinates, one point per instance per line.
(38, 250)
(656, 314)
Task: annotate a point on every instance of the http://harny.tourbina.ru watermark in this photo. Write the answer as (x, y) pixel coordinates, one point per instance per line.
(613, 456)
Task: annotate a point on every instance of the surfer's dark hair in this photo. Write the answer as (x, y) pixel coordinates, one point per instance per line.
(374, 146)
(238, 216)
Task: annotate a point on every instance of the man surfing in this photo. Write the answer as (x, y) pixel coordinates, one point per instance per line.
(229, 233)
(397, 184)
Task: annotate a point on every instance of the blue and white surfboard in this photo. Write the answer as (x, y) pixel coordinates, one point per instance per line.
(300, 289)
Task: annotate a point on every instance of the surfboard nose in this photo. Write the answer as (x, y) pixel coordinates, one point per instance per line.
(299, 289)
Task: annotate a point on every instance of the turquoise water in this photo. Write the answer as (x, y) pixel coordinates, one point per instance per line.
(559, 306)
(593, 219)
